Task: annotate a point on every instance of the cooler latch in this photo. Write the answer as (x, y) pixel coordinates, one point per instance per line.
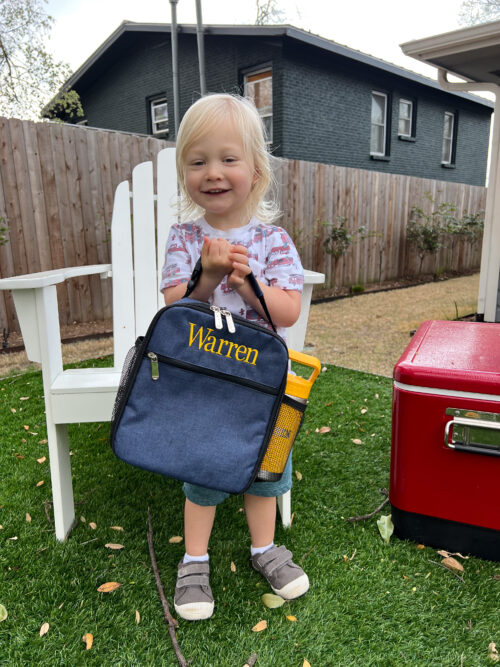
(474, 432)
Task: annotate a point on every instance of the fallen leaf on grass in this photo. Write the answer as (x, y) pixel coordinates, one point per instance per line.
(137, 617)
(452, 564)
(3, 613)
(357, 441)
(364, 411)
(41, 460)
(291, 618)
(272, 601)
(495, 576)
(93, 525)
(28, 517)
(445, 554)
(40, 483)
(323, 429)
(176, 539)
(116, 528)
(112, 545)
(298, 475)
(13, 410)
(108, 587)
(24, 398)
(261, 625)
(233, 567)
(19, 456)
(43, 442)
(492, 652)
(44, 629)
(26, 428)
(306, 663)
(386, 527)
(89, 640)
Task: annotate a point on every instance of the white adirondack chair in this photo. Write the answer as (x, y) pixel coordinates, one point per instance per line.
(87, 395)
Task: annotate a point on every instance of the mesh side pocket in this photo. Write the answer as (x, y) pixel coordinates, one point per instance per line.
(128, 366)
(280, 444)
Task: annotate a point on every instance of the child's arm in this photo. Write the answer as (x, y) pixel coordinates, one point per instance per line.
(216, 263)
(283, 305)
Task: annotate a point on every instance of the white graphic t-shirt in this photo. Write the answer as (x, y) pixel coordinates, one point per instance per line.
(272, 256)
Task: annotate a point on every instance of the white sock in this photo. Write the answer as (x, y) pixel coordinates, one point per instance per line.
(260, 550)
(189, 559)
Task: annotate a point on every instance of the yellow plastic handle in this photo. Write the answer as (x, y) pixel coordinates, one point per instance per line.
(306, 360)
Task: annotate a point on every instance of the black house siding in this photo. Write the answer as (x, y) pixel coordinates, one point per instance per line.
(321, 100)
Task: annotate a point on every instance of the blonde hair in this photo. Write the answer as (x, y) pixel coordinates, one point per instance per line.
(198, 121)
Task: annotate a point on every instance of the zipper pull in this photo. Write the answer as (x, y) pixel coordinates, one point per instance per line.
(155, 371)
(218, 316)
(229, 321)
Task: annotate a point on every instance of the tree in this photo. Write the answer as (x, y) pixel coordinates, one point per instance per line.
(29, 75)
(268, 11)
(478, 11)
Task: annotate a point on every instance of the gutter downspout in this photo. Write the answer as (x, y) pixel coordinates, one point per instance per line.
(175, 63)
(489, 278)
(201, 47)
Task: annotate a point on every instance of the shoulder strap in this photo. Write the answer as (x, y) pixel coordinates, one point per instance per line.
(195, 276)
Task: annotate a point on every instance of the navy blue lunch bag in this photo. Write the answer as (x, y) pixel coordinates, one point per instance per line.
(199, 396)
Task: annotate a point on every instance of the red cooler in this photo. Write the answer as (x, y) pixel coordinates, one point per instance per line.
(445, 461)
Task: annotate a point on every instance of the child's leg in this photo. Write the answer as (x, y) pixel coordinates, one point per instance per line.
(261, 518)
(198, 522)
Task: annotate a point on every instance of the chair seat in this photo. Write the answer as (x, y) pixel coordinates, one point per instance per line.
(84, 395)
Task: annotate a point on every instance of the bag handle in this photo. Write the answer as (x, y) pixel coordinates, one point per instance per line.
(195, 276)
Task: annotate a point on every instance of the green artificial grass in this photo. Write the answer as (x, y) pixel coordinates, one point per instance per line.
(369, 603)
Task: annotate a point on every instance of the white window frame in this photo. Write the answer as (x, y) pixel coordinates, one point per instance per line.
(403, 100)
(154, 104)
(376, 93)
(267, 113)
(446, 158)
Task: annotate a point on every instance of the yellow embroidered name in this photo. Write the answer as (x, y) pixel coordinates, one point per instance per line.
(225, 348)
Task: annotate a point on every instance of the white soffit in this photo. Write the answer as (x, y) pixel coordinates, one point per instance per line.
(472, 53)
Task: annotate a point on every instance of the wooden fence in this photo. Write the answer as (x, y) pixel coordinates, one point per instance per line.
(56, 198)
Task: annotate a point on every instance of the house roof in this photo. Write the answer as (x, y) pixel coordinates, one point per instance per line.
(262, 31)
(472, 53)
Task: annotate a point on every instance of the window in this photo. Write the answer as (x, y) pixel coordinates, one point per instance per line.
(447, 156)
(159, 115)
(259, 88)
(378, 140)
(405, 121)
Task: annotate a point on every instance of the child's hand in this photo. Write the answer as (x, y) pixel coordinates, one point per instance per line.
(241, 267)
(215, 258)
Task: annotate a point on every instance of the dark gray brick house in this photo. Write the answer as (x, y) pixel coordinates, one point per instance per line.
(320, 101)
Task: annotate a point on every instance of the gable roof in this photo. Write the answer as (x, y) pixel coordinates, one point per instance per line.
(263, 31)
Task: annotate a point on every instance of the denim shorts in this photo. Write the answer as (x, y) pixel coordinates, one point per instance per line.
(199, 495)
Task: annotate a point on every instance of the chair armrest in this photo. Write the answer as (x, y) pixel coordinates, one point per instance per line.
(46, 278)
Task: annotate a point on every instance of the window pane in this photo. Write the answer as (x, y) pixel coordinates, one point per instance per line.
(405, 109)
(446, 156)
(259, 88)
(378, 109)
(448, 125)
(377, 139)
(159, 115)
(404, 127)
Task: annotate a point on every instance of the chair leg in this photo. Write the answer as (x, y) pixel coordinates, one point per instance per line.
(60, 473)
(285, 508)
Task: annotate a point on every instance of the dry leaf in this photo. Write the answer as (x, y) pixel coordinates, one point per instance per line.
(43, 442)
(13, 410)
(137, 617)
(40, 483)
(452, 564)
(492, 652)
(28, 517)
(420, 546)
(233, 567)
(112, 545)
(42, 460)
(19, 456)
(291, 618)
(357, 441)
(306, 663)
(116, 528)
(83, 519)
(89, 640)
(26, 428)
(495, 576)
(261, 625)
(175, 539)
(298, 475)
(13, 539)
(3, 613)
(272, 601)
(323, 429)
(44, 629)
(24, 398)
(445, 554)
(364, 411)
(93, 525)
(108, 587)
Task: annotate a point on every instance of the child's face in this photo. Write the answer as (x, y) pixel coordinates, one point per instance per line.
(219, 176)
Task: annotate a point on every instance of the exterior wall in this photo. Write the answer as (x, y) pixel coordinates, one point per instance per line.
(333, 96)
(321, 101)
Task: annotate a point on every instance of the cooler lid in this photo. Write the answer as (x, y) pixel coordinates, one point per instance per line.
(458, 356)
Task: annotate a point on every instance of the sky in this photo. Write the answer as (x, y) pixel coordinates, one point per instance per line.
(375, 27)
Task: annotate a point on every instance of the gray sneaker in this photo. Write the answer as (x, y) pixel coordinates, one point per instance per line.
(193, 596)
(285, 578)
